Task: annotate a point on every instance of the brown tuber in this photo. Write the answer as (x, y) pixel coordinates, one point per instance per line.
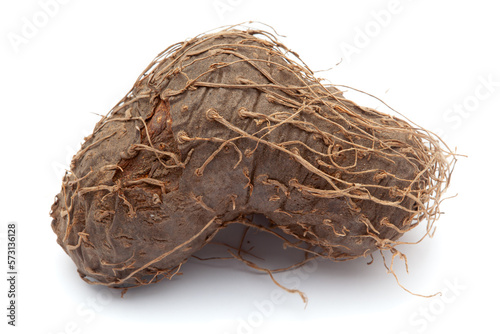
(230, 124)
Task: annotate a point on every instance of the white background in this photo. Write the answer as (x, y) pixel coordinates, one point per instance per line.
(430, 60)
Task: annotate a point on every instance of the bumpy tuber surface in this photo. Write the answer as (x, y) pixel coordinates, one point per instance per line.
(229, 124)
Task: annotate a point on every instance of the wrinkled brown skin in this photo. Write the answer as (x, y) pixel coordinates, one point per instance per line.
(111, 233)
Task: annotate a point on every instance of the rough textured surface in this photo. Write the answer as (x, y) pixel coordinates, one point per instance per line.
(226, 125)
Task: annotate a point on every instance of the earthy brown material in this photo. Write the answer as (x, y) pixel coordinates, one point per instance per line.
(228, 124)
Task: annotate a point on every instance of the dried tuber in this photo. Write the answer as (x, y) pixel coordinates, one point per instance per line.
(229, 124)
